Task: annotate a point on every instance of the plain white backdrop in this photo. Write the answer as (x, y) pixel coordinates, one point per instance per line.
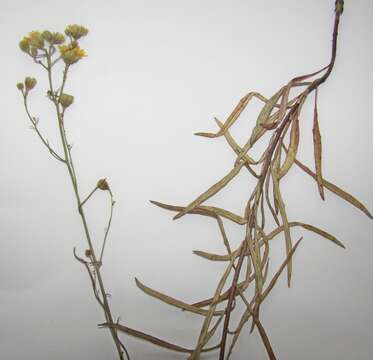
(156, 72)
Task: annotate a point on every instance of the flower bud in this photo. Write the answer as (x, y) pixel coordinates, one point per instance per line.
(66, 100)
(47, 36)
(53, 38)
(88, 253)
(30, 83)
(36, 39)
(102, 184)
(58, 38)
(76, 31)
(20, 86)
(24, 44)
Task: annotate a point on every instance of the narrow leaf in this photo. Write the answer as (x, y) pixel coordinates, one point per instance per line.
(171, 301)
(211, 191)
(284, 218)
(211, 211)
(152, 339)
(293, 147)
(317, 149)
(336, 190)
(240, 107)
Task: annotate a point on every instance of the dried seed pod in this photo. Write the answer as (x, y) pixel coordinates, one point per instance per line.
(102, 184)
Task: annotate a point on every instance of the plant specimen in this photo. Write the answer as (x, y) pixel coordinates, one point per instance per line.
(47, 49)
(278, 123)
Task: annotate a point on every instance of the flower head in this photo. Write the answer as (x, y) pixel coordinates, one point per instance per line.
(24, 44)
(71, 53)
(102, 184)
(66, 100)
(36, 39)
(53, 38)
(76, 31)
(30, 83)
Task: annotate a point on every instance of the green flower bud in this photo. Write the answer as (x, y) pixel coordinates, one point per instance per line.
(66, 100)
(30, 83)
(24, 44)
(102, 184)
(20, 86)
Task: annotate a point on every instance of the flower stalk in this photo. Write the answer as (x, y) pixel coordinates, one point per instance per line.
(35, 45)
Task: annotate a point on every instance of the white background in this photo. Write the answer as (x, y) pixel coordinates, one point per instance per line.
(157, 71)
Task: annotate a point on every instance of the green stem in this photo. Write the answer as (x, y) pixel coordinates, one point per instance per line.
(71, 170)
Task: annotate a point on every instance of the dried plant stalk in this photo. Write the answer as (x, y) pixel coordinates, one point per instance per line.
(280, 116)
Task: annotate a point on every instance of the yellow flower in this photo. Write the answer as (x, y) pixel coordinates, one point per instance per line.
(36, 39)
(76, 31)
(71, 53)
(24, 44)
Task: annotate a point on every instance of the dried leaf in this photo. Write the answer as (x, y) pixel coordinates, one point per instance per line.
(211, 211)
(171, 301)
(211, 191)
(317, 149)
(336, 190)
(206, 324)
(293, 147)
(284, 218)
(234, 115)
(152, 339)
(263, 118)
(278, 273)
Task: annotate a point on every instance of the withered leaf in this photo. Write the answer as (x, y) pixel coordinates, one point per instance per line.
(211, 211)
(317, 149)
(171, 301)
(336, 190)
(211, 191)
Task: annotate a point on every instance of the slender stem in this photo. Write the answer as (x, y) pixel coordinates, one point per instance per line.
(87, 198)
(104, 302)
(112, 202)
(35, 126)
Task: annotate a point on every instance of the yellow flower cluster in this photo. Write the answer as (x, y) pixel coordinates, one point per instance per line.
(36, 41)
(71, 53)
